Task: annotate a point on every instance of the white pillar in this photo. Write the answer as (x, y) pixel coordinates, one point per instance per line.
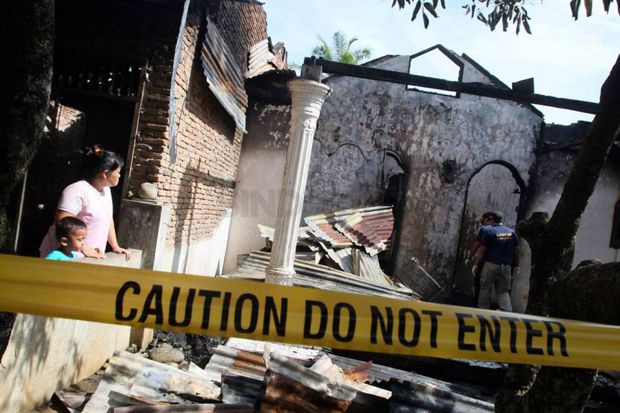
(307, 97)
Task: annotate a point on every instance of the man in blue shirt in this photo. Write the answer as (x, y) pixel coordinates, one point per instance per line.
(498, 246)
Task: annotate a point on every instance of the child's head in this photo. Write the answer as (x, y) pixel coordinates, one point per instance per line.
(71, 233)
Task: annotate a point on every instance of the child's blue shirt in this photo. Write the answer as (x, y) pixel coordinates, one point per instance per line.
(58, 255)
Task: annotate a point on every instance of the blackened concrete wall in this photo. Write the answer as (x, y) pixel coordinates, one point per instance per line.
(442, 141)
(554, 164)
(259, 180)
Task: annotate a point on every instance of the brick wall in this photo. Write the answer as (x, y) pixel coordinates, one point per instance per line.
(244, 23)
(200, 184)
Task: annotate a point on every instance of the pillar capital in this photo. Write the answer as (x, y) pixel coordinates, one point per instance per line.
(307, 96)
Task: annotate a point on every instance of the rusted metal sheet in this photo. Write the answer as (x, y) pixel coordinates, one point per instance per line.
(292, 387)
(240, 363)
(378, 373)
(224, 77)
(319, 276)
(354, 378)
(324, 231)
(370, 228)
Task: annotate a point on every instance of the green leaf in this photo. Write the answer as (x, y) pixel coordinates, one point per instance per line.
(430, 9)
(416, 10)
(425, 20)
(526, 25)
(574, 6)
(588, 5)
(443, 4)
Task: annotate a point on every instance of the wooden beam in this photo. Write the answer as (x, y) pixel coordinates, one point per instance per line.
(477, 89)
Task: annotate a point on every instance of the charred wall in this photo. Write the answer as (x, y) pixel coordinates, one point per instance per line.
(261, 170)
(555, 160)
(442, 142)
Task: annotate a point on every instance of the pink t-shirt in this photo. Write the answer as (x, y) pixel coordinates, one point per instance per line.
(91, 206)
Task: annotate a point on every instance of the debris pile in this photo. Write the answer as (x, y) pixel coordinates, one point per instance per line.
(247, 376)
(337, 251)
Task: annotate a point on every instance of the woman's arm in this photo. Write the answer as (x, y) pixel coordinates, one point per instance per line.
(114, 243)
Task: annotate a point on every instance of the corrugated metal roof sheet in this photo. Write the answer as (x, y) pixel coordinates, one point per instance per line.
(327, 368)
(292, 387)
(382, 374)
(264, 57)
(369, 227)
(129, 375)
(232, 361)
(303, 237)
(224, 77)
(303, 354)
(368, 267)
(319, 276)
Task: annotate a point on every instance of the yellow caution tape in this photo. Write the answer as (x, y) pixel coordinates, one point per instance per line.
(224, 307)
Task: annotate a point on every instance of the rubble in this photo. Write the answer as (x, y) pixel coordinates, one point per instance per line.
(255, 376)
(166, 354)
(246, 375)
(337, 251)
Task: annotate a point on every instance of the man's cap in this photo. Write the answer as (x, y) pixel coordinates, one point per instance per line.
(494, 215)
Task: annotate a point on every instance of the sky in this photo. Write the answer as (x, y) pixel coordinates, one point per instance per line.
(566, 58)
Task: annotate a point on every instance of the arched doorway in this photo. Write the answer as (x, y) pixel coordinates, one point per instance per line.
(497, 186)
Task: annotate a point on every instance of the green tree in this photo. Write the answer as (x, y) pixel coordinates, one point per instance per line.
(340, 50)
(493, 12)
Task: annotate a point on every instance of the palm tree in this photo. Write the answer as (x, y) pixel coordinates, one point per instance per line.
(340, 50)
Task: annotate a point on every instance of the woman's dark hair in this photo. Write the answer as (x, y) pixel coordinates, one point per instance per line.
(97, 160)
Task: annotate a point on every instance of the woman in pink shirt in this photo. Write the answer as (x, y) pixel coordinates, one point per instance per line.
(90, 200)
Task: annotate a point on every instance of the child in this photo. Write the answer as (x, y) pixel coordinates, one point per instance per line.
(70, 233)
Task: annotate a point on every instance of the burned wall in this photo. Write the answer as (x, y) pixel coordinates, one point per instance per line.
(442, 142)
(259, 182)
(117, 30)
(555, 160)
